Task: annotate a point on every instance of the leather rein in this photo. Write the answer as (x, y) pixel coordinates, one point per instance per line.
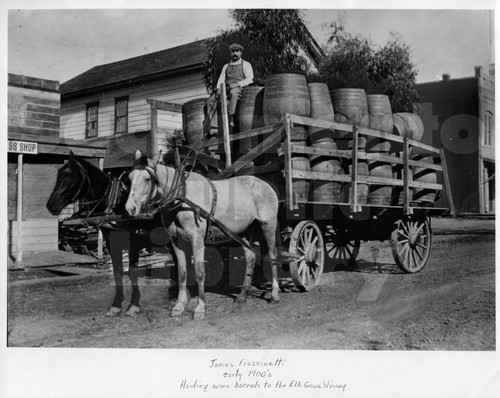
(111, 193)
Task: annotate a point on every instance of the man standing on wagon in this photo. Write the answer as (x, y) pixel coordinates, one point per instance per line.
(235, 75)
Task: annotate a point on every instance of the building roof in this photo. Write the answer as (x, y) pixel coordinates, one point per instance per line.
(149, 66)
(137, 68)
(33, 83)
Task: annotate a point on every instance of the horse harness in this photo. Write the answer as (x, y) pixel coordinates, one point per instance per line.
(95, 202)
(174, 199)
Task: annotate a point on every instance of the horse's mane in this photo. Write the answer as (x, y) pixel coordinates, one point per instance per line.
(87, 165)
(142, 161)
(92, 170)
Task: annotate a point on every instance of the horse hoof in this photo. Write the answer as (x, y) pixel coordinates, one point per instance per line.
(113, 311)
(133, 310)
(241, 299)
(176, 313)
(198, 315)
(274, 300)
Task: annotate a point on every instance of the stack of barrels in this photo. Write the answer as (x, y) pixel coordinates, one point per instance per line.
(379, 109)
(351, 107)
(320, 138)
(411, 126)
(290, 93)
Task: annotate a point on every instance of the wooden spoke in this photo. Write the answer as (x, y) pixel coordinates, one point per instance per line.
(412, 252)
(340, 250)
(307, 241)
(418, 254)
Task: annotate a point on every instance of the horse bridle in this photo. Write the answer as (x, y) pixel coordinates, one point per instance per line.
(85, 178)
(77, 195)
(154, 179)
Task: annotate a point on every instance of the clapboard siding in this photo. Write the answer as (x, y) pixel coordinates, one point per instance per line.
(73, 122)
(169, 119)
(177, 90)
(39, 235)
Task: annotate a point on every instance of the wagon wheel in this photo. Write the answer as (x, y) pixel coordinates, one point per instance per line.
(343, 250)
(307, 243)
(411, 244)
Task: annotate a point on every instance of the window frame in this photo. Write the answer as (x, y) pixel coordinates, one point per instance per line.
(488, 128)
(87, 120)
(125, 116)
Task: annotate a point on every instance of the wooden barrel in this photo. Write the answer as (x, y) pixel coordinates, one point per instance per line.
(285, 93)
(193, 117)
(301, 185)
(251, 115)
(423, 174)
(325, 191)
(380, 195)
(408, 125)
(321, 108)
(380, 116)
(350, 107)
(362, 189)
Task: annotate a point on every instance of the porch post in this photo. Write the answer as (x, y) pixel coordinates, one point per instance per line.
(19, 258)
(100, 237)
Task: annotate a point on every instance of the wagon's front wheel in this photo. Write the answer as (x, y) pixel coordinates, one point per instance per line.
(308, 245)
(411, 243)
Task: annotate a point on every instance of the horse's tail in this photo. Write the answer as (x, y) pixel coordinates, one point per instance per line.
(279, 241)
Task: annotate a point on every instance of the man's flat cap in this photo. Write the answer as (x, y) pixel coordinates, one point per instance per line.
(236, 46)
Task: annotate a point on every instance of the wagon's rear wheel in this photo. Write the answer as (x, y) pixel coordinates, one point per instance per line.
(341, 250)
(411, 243)
(307, 243)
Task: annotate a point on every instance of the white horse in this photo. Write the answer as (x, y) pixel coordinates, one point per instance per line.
(239, 202)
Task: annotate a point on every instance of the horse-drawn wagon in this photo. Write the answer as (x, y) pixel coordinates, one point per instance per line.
(352, 195)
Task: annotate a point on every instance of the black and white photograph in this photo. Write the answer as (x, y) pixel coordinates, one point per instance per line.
(287, 200)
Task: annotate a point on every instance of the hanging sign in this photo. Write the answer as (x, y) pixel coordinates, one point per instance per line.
(23, 147)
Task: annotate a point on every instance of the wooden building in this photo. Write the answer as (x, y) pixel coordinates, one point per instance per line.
(459, 116)
(136, 103)
(35, 153)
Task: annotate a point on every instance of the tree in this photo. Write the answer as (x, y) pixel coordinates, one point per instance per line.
(353, 61)
(271, 39)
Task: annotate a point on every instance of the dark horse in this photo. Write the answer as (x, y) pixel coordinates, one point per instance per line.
(77, 179)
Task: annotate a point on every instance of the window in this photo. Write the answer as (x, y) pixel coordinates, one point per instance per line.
(92, 115)
(121, 115)
(488, 129)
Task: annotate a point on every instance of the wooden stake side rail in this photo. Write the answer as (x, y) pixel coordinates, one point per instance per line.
(353, 132)
(347, 128)
(320, 176)
(347, 154)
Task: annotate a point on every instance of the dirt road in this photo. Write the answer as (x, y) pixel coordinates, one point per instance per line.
(450, 305)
